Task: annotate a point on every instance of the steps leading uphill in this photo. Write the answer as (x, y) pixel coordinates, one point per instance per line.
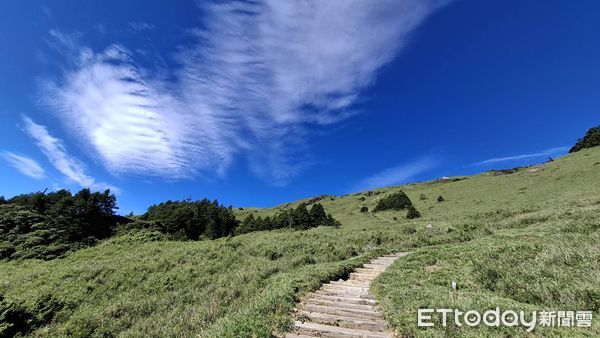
(344, 308)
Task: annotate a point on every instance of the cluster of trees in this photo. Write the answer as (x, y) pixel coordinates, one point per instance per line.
(192, 220)
(398, 201)
(591, 139)
(46, 225)
(299, 218)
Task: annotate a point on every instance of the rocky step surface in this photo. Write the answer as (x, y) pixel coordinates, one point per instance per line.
(345, 308)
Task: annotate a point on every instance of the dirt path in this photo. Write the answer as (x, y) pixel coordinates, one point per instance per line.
(344, 308)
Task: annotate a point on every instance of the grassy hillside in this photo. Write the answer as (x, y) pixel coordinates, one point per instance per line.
(526, 240)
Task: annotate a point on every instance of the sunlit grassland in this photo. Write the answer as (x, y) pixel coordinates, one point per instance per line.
(137, 285)
(543, 260)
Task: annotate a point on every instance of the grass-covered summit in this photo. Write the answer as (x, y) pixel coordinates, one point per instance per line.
(524, 240)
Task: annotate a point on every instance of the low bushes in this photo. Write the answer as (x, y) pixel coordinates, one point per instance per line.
(16, 320)
(398, 201)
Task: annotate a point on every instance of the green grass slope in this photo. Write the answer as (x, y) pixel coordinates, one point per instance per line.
(527, 240)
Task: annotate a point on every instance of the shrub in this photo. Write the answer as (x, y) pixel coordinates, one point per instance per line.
(409, 230)
(412, 213)
(500, 172)
(364, 209)
(17, 321)
(6, 250)
(591, 139)
(440, 198)
(396, 201)
(422, 197)
(316, 199)
(14, 319)
(127, 227)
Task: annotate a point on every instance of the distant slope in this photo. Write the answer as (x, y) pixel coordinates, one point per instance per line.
(137, 285)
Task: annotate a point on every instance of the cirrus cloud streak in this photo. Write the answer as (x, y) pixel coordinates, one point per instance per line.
(256, 76)
(56, 153)
(25, 165)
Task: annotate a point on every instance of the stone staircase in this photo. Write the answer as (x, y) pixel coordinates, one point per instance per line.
(344, 308)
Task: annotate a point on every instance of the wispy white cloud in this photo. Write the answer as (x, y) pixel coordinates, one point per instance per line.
(25, 165)
(65, 42)
(396, 175)
(275, 66)
(547, 152)
(56, 153)
(257, 75)
(133, 124)
(140, 26)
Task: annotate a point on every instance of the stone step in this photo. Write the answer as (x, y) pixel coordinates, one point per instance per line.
(365, 274)
(345, 287)
(369, 271)
(385, 261)
(384, 266)
(332, 310)
(336, 331)
(352, 283)
(344, 305)
(345, 308)
(361, 277)
(375, 266)
(348, 300)
(345, 321)
(382, 262)
(355, 283)
(344, 293)
(401, 254)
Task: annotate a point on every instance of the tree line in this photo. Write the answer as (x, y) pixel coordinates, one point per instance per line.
(300, 218)
(192, 220)
(47, 225)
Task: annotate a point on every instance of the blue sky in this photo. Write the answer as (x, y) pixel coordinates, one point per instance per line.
(258, 103)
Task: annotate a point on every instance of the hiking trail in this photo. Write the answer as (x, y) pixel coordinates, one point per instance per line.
(345, 308)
